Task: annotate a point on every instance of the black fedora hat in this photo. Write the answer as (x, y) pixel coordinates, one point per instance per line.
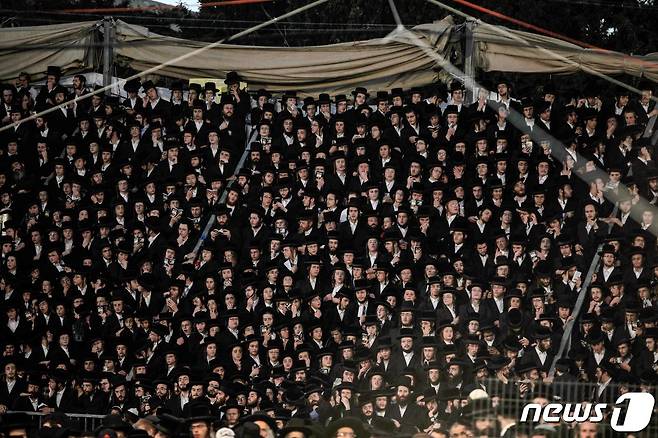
(297, 425)
(132, 85)
(167, 424)
(352, 422)
(324, 98)
(198, 411)
(148, 85)
(53, 70)
(210, 86)
(232, 77)
(360, 90)
(114, 422)
(262, 416)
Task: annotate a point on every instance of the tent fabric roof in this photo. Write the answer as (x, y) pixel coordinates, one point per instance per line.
(32, 49)
(499, 48)
(383, 63)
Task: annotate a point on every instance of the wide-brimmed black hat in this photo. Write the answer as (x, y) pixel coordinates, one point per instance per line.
(262, 416)
(352, 422)
(148, 85)
(232, 77)
(296, 425)
(199, 411)
(360, 90)
(53, 70)
(114, 422)
(132, 86)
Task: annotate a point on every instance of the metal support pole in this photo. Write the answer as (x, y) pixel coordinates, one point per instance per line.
(108, 37)
(469, 61)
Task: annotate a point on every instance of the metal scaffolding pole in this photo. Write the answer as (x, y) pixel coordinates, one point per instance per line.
(108, 37)
(469, 61)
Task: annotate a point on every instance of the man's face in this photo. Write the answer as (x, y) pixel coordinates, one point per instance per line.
(647, 217)
(87, 388)
(199, 429)
(590, 212)
(183, 382)
(120, 393)
(33, 390)
(403, 395)
(161, 390)
(646, 97)
(7, 97)
(196, 391)
(406, 344)
(10, 371)
(587, 430)
(622, 349)
(411, 118)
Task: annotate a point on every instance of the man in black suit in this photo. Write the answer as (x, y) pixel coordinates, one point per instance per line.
(198, 125)
(541, 353)
(134, 147)
(362, 304)
(178, 402)
(406, 355)
(170, 168)
(11, 386)
(156, 242)
(31, 400)
(152, 103)
(353, 230)
(337, 180)
(645, 106)
(413, 130)
(91, 401)
(230, 335)
(591, 231)
(150, 303)
(405, 411)
(8, 97)
(598, 354)
(133, 104)
(605, 389)
(64, 398)
(341, 314)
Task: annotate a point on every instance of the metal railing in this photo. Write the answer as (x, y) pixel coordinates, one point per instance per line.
(83, 422)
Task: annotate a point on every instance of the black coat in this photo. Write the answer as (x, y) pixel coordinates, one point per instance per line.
(68, 403)
(414, 418)
(6, 396)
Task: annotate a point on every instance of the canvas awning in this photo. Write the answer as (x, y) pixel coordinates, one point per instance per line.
(32, 49)
(381, 63)
(397, 60)
(499, 48)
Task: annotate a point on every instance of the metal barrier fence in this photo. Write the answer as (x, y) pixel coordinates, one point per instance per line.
(575, 403)
(561, 409)
(83, 422)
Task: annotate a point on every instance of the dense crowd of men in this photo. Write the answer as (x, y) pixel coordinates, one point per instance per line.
(389, 262)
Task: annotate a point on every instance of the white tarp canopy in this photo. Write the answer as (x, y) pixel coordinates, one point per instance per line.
(32, 49)
(382, 63)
